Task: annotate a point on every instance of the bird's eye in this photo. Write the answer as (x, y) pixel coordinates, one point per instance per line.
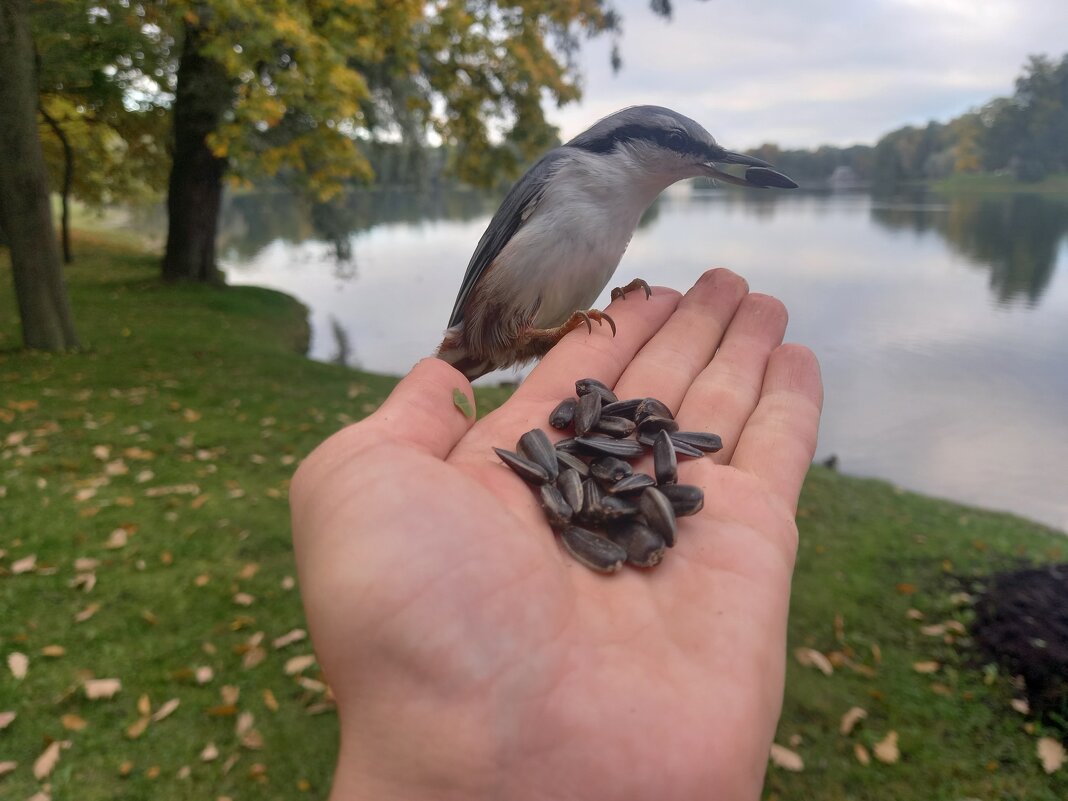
(676, 138)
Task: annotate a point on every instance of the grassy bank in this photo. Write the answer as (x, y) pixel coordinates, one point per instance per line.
(965, 183)
(147, 478)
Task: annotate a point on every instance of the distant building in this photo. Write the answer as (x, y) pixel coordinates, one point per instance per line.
(843, 178)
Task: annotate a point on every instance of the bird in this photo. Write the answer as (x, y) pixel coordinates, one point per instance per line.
(560, 232)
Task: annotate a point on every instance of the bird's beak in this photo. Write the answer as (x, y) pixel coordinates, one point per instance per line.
(759, 174)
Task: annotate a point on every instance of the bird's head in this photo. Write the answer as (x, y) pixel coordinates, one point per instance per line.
(668, 144)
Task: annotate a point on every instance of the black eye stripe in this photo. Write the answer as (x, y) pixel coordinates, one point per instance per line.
(673, 139)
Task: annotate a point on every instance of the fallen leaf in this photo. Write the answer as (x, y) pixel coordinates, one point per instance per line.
(1021, 706)
(183, 772)
(290, 637)
(87, 613)
(53, 651)
(861, 753)
(786, 759)
(253, 656)
(46, 762)
(18, 663)
(7, 767)
(229, 693)
(223, 711)
(914, 614)
(152, 772)
(288, 582)
(926, 667)
(144, 705)
(311, 685)
(850, 719)
(165, 709)
(244, 599)
(84, 564)
(209, 753)
(269, 701)
(1051, 754)
(253, 740)
(810, 657)
(904, 588)
(299, 664)
(6, 718)
(961, 599)
(101, 452)
(96, 689)
(248, 571)
(72, 722)
(204, 674)
(245, 722)
(24, 565)
(886, 750)
(202, 579)
(40, 795)
(126, 768)
(228, 765)
(137, 728)
(117, 539)
(933, 630)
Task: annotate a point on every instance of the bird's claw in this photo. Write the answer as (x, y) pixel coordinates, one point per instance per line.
(620, 292)
(588, 316)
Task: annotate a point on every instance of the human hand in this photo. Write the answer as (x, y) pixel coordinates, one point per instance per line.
(472, 658)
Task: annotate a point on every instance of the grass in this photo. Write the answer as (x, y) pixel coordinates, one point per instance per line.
(180, 424)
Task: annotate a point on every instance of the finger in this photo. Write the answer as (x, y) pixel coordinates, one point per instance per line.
(779, 440)
(599, 355)
(725, 393)
(684, 345)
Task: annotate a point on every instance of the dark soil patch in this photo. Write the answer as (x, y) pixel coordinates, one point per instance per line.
(1022, 623)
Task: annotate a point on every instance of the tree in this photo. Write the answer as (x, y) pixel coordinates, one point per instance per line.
(25, 211)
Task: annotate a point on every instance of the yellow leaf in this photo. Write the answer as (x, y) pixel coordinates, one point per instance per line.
(269, 701)
(810, 657)
(24, 565)
(245, 722)
(204, 674)
(229, 693)
(786, 759)
(290, 637)
(850, 719)
(926, 667)
(18, 663)
(6, 719)
(137, 728)
(886, 750)
(1021, 706)
(72, 722)
(101, 688)
(209, 753)
(144, 705)
(1051, 754)
(117, 539)
(87, 613)
(861, 753)
(298, 664)
(166, 708)
(46, 762)
(244, 599)
(7, 767)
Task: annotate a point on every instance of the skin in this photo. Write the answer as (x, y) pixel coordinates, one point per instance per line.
(471, 658)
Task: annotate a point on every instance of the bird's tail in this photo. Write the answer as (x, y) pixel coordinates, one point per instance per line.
(453, 350)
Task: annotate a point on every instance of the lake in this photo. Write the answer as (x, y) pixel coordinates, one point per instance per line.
(941, 324)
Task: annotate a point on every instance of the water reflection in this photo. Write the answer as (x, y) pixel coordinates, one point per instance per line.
(941, 325)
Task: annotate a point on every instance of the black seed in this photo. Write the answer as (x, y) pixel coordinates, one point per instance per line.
(651, 407)
(623, 448)
(665, 465)
(686, 499)
(596, 552)
(587, 414)
(569, 460)
(659, 514)
(557, 510)
(709, 443)
(524, 468)
(591, 386)
(563, 415)
(653, 424)
(623, 408)
(592, 495)
(569, 482)
(535, 446)
(681, 448)
(609, 469)
(634, 483)
(618, 427)
(644, 547)
(569, 445)
(612, 507)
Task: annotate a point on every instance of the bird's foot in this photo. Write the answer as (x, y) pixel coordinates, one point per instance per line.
(536, 342)
(637, 283)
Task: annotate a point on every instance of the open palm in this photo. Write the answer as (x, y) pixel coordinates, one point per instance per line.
(472, 658)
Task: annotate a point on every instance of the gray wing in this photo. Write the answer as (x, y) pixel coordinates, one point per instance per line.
(513, 212)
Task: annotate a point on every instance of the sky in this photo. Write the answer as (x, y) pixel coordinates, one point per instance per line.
(802, 73)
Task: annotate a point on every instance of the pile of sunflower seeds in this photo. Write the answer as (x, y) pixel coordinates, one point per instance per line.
(607, 514)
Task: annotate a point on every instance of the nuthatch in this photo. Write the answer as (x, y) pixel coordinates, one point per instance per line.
(560, 232)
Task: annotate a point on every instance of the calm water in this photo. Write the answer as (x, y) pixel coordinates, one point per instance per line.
(941, 325)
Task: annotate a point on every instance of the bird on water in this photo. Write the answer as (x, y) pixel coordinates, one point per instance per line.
(561, 230)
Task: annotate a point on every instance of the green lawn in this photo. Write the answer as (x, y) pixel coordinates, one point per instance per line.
(163, 451)
(963, 183)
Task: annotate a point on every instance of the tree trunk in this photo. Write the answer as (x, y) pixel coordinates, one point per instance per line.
(25, 211)
(194, 195)
(68, 179)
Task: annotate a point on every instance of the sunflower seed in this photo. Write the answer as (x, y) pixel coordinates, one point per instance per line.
(651, 407)
(659, 514)
(569, 460)
(665, 464)
(609, 469)
(587, 414)
(681, 448)
(557, 510)
(623, 408)
(596, 552)
(591, 386)
(569, 482)
(617, 427)
(623, 448)
(644, 547)
(613, 507)
(564, 414)
(592, 495)
(524, 468)
(632, 483)
(686, 499)
(654, 423)
(535, 446)
(709, 443)
(569, 445)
